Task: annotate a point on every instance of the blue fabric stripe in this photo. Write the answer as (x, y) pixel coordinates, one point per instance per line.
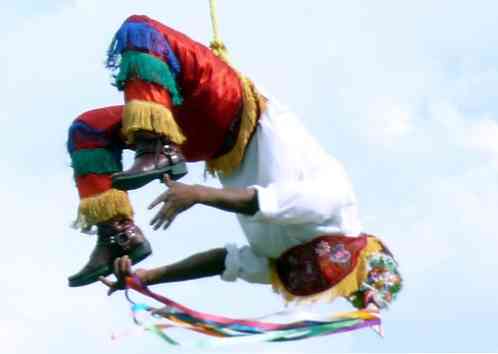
(79, 128)
(82, 130)
(141, 36)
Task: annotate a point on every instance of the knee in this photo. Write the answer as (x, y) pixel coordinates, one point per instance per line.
(78, 134)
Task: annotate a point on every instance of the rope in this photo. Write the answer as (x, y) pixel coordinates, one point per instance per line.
(214, 21)
(217, 45)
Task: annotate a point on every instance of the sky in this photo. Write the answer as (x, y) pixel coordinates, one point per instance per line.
(403, 93)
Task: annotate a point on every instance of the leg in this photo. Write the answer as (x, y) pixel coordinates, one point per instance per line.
(95, 147)
(150, 127)
(150, 92)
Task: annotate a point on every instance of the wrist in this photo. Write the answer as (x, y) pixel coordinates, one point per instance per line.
(201, 194)
(145, 276)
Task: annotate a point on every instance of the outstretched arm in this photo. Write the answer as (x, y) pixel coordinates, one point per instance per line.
(180, 197)
(200, 265)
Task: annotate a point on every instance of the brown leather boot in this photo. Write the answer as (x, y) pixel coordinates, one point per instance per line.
(153, 158)
(115, 239)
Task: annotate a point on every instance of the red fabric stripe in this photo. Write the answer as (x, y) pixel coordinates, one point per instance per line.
(81, 144)
(144, 91)
(107, 119)
(92, 184)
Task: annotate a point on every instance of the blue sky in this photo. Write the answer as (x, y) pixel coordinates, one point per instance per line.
(404, 93)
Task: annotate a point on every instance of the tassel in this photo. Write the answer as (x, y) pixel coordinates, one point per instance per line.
(103, 207)
(253, 105)
(138, 65)
(95, 161)
(151, 117)
(142, 36)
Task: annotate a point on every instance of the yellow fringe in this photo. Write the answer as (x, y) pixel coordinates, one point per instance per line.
(151, 117)
(344, 288)
(104, 207)
(253, 105)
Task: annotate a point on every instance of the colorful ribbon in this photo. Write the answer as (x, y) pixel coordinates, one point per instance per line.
(230, 331)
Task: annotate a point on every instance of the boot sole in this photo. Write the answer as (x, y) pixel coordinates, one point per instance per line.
(128, 183)
(136, 256)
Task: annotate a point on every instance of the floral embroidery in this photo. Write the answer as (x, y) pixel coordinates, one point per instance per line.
(382, 285)
(340, 254)
(322, 249)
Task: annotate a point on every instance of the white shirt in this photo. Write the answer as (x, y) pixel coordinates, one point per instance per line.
(303, 193)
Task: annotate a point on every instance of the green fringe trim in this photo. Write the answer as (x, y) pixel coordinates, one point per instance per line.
(98, 161)
(147, 68)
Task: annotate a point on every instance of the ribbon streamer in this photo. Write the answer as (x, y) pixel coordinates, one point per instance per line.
(225, 330)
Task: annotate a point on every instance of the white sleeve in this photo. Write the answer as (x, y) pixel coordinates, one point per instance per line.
(244, 264)
(302, 202)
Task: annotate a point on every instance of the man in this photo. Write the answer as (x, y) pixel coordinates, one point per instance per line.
(295, 203)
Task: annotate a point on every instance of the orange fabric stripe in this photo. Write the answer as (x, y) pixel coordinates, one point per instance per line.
(145, 91)
(93, 184)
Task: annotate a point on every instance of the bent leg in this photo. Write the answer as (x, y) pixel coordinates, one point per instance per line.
(150, 92)
(149, 125)
(95, 146)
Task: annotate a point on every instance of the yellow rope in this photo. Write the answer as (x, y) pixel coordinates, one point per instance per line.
(253, 105)
(214, 21)
(216, 44)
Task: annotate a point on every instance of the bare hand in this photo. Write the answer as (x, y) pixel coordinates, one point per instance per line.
(178, 198)
(122, 269)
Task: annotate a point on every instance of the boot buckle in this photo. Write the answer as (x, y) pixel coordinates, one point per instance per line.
(123, 238)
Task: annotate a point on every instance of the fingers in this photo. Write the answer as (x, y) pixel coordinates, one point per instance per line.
(168, 222)
(122, 267)
(160, 214)
(162, 221)
(167, 180)
(165, 216)
(125, 266)
(162, 198)
(116, 268)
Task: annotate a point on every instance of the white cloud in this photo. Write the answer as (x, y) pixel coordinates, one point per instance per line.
(483, 135)
(476, 133)
(387, 121)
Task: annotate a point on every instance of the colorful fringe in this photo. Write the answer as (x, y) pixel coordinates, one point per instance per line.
(83, 136)
(253, 106)
(231, 331)
(138, 65)
(94, 161)
(139, 35)
(152, 117)
(346, 287)
(103, 207)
